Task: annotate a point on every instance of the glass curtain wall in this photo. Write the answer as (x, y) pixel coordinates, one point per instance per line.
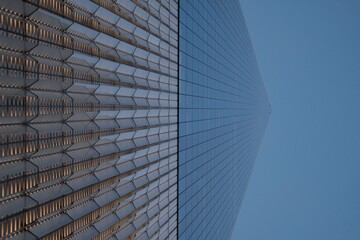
(223, 113)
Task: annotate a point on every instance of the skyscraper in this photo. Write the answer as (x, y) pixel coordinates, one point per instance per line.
(99, 100)
(88, 119)
(223, 113)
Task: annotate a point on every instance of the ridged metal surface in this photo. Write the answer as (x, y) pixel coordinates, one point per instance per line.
(88, 119)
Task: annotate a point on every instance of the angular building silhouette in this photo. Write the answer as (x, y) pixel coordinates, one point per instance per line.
(223, 113)
(126, 119)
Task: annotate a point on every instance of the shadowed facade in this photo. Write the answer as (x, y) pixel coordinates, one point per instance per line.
(224, 111)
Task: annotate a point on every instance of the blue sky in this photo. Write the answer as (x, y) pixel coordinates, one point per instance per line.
(306, 181)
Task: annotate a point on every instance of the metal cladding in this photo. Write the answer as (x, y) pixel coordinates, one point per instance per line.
(88, 119)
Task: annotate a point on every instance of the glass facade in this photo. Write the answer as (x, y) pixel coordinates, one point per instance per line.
(98, 101)
(88, 119)
(223, 113)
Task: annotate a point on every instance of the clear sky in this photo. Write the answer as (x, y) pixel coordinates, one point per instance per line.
(306, 181)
